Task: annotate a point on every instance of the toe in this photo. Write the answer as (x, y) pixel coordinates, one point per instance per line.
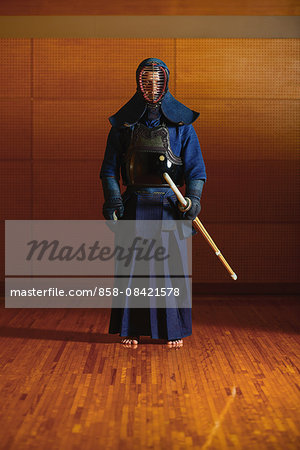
(175, 343)
(130, 341)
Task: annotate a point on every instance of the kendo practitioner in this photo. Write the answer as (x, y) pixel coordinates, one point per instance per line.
(152, 124)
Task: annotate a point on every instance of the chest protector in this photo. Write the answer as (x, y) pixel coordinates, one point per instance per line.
(149, 155)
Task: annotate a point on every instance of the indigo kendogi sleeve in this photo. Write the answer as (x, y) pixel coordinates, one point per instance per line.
(112, 158)
(194, 167)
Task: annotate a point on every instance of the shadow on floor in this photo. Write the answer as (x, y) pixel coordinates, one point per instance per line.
(66, 335)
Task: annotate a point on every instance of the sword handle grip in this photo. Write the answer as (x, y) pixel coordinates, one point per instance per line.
(197, 224)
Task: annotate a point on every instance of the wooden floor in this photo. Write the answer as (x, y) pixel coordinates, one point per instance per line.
(66, 384)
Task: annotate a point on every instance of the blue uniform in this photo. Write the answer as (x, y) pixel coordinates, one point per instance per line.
(169, 323)
(152, 203)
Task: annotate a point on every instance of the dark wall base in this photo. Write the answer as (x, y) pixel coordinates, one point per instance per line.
(246, 288)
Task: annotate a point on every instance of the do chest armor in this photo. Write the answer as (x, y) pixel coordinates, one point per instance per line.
(149, 155)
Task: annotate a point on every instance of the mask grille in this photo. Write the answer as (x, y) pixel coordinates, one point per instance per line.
(153, 80)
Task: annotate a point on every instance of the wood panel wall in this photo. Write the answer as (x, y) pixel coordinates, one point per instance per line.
(57, 94)
(153, 7)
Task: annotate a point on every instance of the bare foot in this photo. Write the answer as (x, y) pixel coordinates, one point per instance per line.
(130, 341)
(175, 343)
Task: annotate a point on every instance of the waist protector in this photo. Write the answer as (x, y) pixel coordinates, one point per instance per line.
(149, 155)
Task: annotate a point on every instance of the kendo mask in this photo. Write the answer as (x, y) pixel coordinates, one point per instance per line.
(152, 80)
(153, 95)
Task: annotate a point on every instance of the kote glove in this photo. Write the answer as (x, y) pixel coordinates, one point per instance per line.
(113, 200)
(192, 195)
